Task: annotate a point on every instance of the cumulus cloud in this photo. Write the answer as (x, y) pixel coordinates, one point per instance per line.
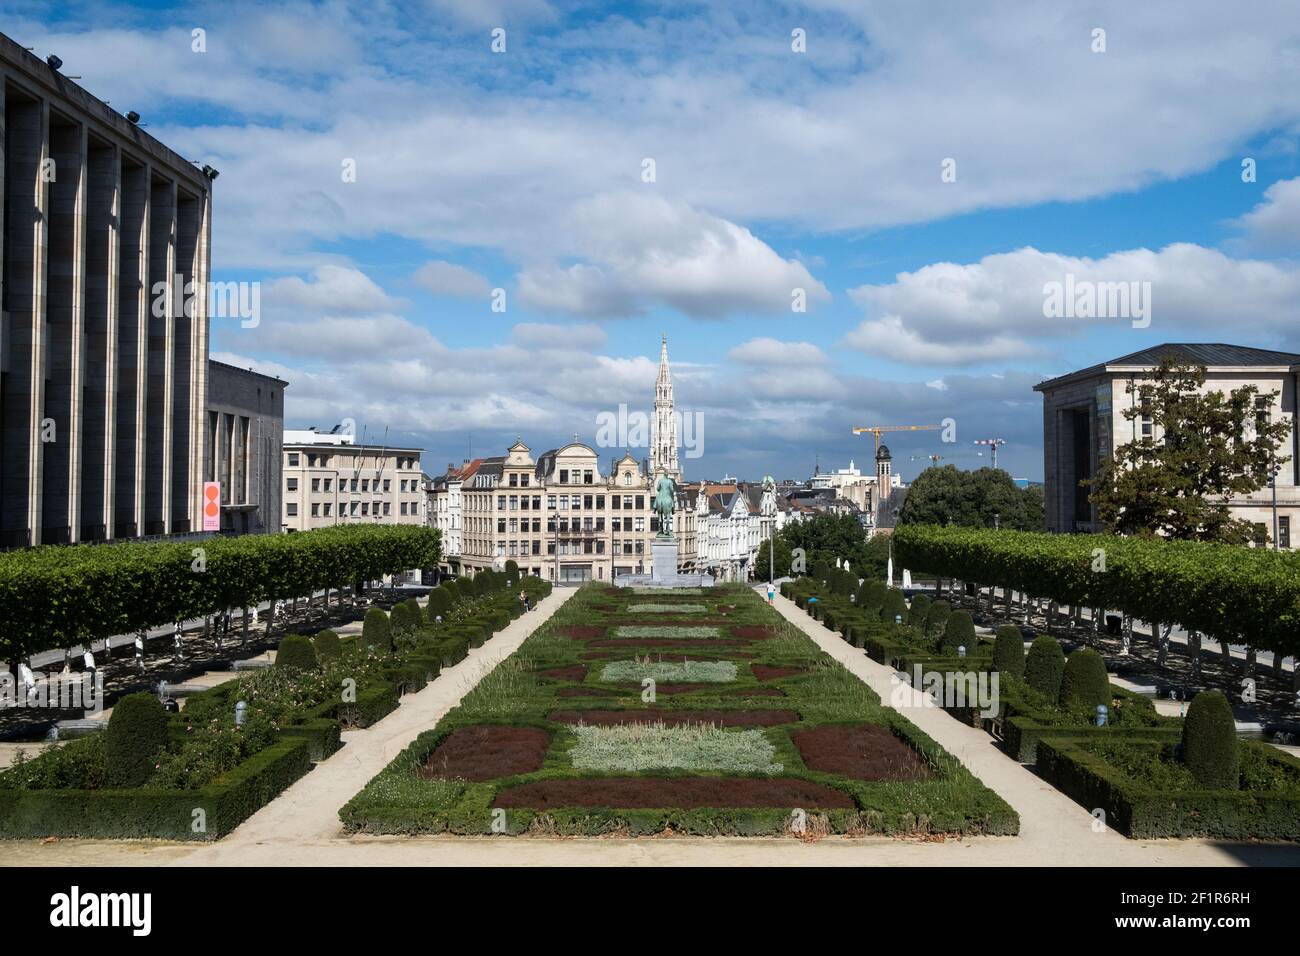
(448, 278)
(953, 314)
(769, 351)
(544, 335)
(332, 289)
(644, 251)
(1274, 224)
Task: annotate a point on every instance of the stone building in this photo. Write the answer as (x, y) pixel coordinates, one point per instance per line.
(102, 381)
(244, 434)
(329, 479)
(1083, 423)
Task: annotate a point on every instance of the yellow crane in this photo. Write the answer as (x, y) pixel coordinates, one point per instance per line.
(877, 429)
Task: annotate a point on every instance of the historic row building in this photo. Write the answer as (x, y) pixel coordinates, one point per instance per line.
(330, 479)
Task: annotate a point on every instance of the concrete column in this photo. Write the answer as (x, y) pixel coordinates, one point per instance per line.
(159, 404)
(99, 413)
(132, 350)
(25, 246)
(61, 432)
(187, 401)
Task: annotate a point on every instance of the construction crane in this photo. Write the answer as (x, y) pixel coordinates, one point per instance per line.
(877, 429)
(994, 444)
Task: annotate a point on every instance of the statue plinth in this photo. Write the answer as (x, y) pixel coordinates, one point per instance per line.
(664, 557)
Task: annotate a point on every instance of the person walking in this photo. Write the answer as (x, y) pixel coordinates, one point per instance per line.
(771, 593)
(523, 599)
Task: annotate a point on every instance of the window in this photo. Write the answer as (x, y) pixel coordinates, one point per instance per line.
(315, 484)
(387, 508)
(291, 484)
(564, 476)
(514, 502)
(627, 477)
(354, 484)
(501, 502)
(586, 501)
(1284, 531)
(365, 508)
(365, 484)
(523, 481)
(329, 483)
(293, 459)
(615, 502)
(315, 509)
(291, 508)
(388, 483)
(327, 507)
(640, 502)
(586, 477)
(550, 502)
(600, 501)
(514, 480)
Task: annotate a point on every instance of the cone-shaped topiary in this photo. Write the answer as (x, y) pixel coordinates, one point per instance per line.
(1044, 665)
(327, 645)
(455, 590)
(1009, 652)
(296, 653)
(894, 605)
(958, 631)
(936, 618)
(376, 631)
(916, 611)
(135, 736)
(399, 619)
(1211, 750)
(417, 612)
(1084, 683)
(512, 571)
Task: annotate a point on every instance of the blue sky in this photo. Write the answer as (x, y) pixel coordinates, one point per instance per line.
(774, 170)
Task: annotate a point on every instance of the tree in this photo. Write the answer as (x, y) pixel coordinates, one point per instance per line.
(826, 538)
(984, 498)
(1203, 449)
(762, 561)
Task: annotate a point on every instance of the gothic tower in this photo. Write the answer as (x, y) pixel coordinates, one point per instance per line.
(663, 436)
(884, 481)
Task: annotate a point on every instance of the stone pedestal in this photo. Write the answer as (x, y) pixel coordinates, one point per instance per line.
(664, 552)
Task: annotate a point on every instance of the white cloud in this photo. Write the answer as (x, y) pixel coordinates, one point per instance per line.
(450, 279)
(644, 251)
(952, 314)
(769, 351)
(544, 335)
(334, 289)
(1274, 224)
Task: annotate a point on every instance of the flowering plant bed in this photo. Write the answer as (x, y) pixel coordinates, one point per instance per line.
(758, 737)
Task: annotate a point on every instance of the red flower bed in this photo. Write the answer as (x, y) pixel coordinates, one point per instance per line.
(751, 632)
(864, 752)
(487, 752)
(768, 672)
(583, 632)
(573, 672)
(683, 792)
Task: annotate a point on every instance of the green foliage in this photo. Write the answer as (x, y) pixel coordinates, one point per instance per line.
(1009, 651)
(1084, 684)
(763, 559)
(894, 606)
(917, 610)
(958, 631)
(296, 651)
(439, 604)
(1206, 447)
(936, 618)
(1216, 589)
(1211, 750)
(60, 595)
(947, 496)
(405, 617)
(376, 630)
(135, 736)
(327, 646)
(824, 538)
(1045, 666)
(871, 595)
(512, 571)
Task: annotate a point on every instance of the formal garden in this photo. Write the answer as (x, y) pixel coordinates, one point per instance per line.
(701, 712)
(197, 772)
(1099, 743)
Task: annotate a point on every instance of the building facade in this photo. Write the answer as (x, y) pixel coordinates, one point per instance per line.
(557, 516)
(1084, 422)
(244, 434)
(102, 380)
(331, 480)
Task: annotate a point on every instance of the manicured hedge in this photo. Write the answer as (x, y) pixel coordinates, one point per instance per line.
(160, 814)
(1141, 812)
(1226, 591)
(57, 595)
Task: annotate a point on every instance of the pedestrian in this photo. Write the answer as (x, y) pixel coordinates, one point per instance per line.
(771, 593)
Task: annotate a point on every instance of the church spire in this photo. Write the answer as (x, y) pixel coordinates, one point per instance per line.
(664, 437)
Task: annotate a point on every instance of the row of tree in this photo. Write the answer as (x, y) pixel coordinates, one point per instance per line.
(58, 596)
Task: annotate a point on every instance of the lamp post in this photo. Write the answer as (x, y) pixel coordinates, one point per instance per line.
(1273, 485)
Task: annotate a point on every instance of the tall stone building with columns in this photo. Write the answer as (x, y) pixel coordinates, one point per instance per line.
(102, 384)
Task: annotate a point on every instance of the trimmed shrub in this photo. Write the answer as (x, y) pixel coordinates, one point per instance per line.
(512, 571)
(405, 617)
(958, 631)
(894, 605)
(871, 595)
(136, 734)
(376, 630)
(296, 653)
(328, 647)
(917, 609)
(1084, 683)
(417, 612)
(1044, 666)
(1009, 651)
(440, 602)
(936, 618)
(1211, 750)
